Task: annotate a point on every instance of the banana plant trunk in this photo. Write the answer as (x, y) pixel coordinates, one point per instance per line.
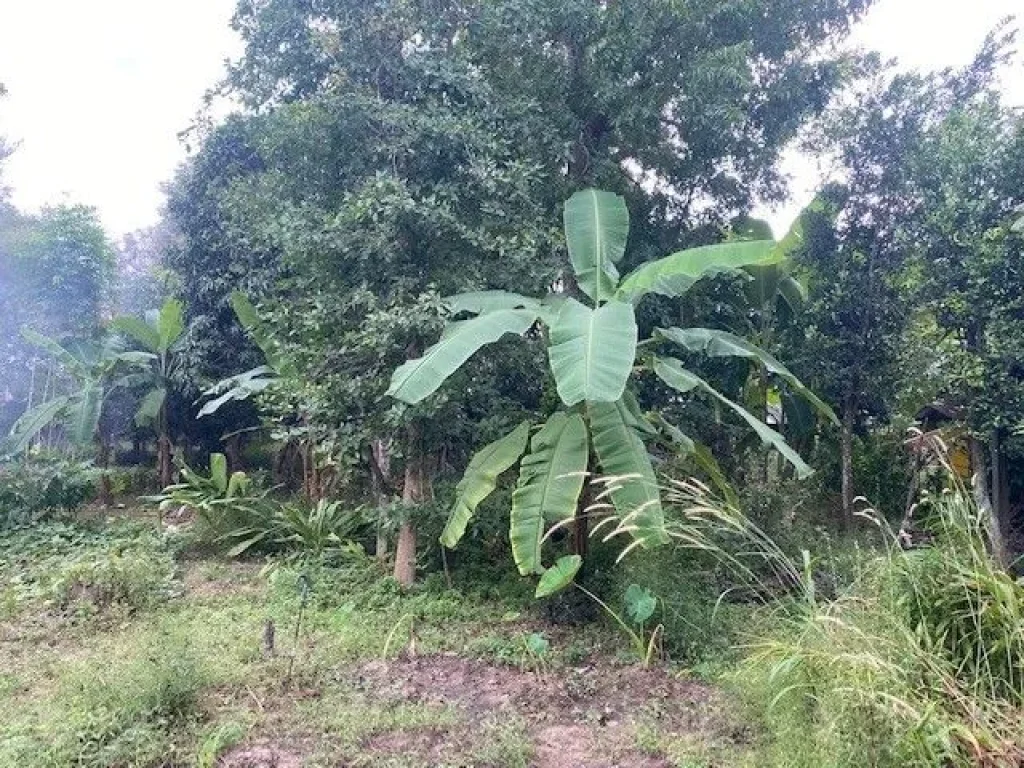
(103, 460)
(415, 491)
(164, 464)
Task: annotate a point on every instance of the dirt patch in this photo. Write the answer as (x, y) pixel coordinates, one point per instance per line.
(581, 717)
(260, 756)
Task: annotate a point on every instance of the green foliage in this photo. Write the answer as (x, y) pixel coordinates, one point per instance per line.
(37, 487)
(592, 352)
(83, 571)
(239, 517)
(120, 713)
(918, 663)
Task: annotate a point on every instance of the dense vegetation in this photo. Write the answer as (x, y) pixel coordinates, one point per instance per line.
(464, 409)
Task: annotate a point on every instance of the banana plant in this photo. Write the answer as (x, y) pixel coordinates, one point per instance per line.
(244, 385)
(157, 334)
(593, 353)
(96, 368)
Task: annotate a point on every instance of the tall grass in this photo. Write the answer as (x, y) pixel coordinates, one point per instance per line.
(917, 661)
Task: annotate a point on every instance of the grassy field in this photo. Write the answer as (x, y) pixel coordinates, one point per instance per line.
(119, 646)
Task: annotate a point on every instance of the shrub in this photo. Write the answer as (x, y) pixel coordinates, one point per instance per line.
(40, 487)
(84, 569)
(238, 516)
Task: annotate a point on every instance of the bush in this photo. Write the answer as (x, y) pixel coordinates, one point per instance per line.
(39, 487)
(237, 515)
(81, 569)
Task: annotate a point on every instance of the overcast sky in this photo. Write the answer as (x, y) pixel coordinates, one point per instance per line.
(99, 89)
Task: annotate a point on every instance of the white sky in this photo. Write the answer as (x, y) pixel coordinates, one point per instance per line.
(99, 89)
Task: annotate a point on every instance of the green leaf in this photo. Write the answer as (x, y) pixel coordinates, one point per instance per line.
(239, 387)
(417, 379)
(592, 351)
(674, 275)
(32, 422)
(138, 330)
(596, 230)
(671, 371)
(73, 364)
(792, 292)
(481, 478)
(622, 454)
(149, 408)
(550, 480)
(715, 343)
(85, 413)
(558, 576)
(171, 323)
(479, 302)
(219, 471)
(640, 603)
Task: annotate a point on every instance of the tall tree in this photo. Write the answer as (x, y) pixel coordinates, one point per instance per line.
(393, 152)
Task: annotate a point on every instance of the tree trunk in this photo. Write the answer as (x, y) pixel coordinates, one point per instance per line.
(380, 479)
(998, 520)
(233, 453)
(106, 491)
(846, 458)
(415, 491)
(980, 478)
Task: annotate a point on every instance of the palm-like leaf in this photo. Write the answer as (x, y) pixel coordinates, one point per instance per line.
(596, 231)
(138, 330)
(672, 372)
(558, 576)
(149, 408)
(674, 275)
(417, 379)
(32, 422)
(714, 343)
(170, 323)
(592, 351)
(481, 478)
(550, 480)
(85, 414)
(623, 456)
(479, 302)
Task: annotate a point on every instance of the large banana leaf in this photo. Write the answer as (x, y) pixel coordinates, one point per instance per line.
(622, 455)
(481, 478)
(31, 423)
(149, 408)
(596, 231)
(674, 275)
(85, 413)
(419, 378)
(550, 480)
(592, 351)
(714, 343)
(672, 372)
(75, 365)
(479, 302)
(137, 330)
(239, 387)
(170, 323)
